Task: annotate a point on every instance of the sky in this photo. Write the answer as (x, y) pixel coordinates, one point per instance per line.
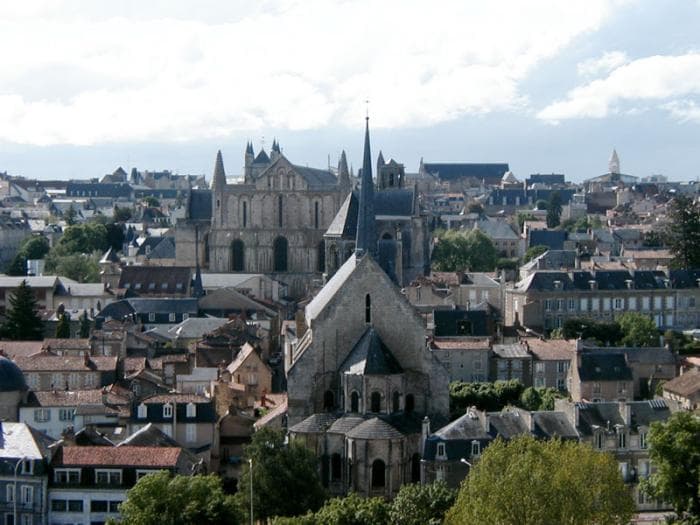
(547, 86)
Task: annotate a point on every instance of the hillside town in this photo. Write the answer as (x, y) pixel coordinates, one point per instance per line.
(395, 322)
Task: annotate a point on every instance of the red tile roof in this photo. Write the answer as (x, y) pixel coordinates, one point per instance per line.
(551, 349)
(126, 456)
(47, 362)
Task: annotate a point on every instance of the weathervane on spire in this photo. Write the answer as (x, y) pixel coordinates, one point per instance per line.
(367, 109)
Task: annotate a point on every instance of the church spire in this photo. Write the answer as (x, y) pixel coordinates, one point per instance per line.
(344, 174)
(219, 180)
(614, 163)
(366, 225)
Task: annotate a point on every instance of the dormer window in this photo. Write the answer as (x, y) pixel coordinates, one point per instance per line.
(476, 448)
(142, 411)
(167, 410)
(441, 450)
(621, 439)
(191, 410)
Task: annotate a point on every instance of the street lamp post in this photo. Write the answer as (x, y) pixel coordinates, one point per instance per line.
(14, 496)
(250, 463)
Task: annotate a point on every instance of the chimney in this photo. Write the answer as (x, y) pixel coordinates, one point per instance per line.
(86, 359)
(425, 433)
(626, 413)
(105, 392)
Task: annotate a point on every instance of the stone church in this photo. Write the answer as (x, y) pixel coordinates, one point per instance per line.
(361, 379)
(273, 222)
(403, 237)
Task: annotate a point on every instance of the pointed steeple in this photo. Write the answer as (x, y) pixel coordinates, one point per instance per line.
(366, 241)
(219, 180)
(614, 163)
(344, 174)
(380, 161)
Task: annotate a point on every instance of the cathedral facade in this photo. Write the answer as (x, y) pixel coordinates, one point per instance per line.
(273, 222)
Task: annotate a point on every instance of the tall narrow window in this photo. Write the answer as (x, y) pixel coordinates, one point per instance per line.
(316, 215)
(378, 473)
(368, 309)
(410, 403)
(376, 402)
(321, 256)
(354, 402)
(328, 401)
(280, 254)
(245, 214)
(237, 256)
(280, 211)
(395, 401)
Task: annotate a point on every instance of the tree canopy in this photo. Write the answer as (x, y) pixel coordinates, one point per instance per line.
(683, 232)
(285, 477)
(22, 323)
(164, 499)
(63, 326)
(456, 250)
(638, 330)
(540, 483)
(534, 251)
(484, 396)
(554, 210)
(33, 247)
(417, 504)
(674, 449)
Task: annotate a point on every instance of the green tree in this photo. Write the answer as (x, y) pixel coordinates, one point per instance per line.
(417, 504)
(534, 251)
(22, 322)
(554, 210)
(541, 205)
(484, 396)
(674, 449)
(63, 326)
(151, 201)
(33, 247)
(353, 510)
(530, 399)
(285, 477)
(483, 254)
(84, 326)
(122, 214)
(525, 216)
(162, 498)
(683, 232)
(638, 330)
(601, 332)
(70, 215)
(79, 267)
(541, 483)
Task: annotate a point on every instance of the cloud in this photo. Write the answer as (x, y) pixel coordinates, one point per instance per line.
(604, 64)
(90, 72)
(684, 110)
(654, 78)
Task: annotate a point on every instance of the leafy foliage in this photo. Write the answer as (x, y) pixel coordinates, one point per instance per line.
(33, 247)
(554, 210)
(683, 232)
(353, 510)
(285, 477)
(534, 251)
(638, 330)
(161, 498)
(63, 327)
(84, 330)
(79, 267)
(540, 483)
(122, 214)
(21, 321)
(456, 250)
(603, 333)
(674, 448)
(539, 398)
(484, 396)
(417, 504)
(524, 216)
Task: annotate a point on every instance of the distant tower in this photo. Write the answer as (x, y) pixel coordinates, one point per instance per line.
(366, 241)
(344, 175)
(248, 163)
(614, 163)
(276, 152)
(218, 186)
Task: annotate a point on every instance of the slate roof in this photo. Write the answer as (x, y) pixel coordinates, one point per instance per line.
(393, 203)
(543, 280)
(497, 229)
(157, 248)
(199, 205)
(490, 173)
(11, 376)
(551, 424)
(375, 428)
(604, 367)
(314, 424)
(511, 351)
(553, 260)
(600, 415)
(370, 356)
(58, 363)
(448, 322)
(262, 158)
(160, 280)
(344, 424)
(143, 305)
(315, 177)
(333, 286)
(116, 190)
(149, 436)
(18, 440)
(553, 239)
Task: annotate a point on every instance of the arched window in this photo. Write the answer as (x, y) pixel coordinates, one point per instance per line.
(334, 257)
(368, 309)
(415, 468)
(378, 468)
(328, 400)
(375, 402)
(280, 254)
(316, 215)
(321, 256)
(410, 404)
(280, 211)
(237, 256)
(245, 214)
(395, 401)
(387, 237)
(354, 402)
(206, 249)
(336, 463)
